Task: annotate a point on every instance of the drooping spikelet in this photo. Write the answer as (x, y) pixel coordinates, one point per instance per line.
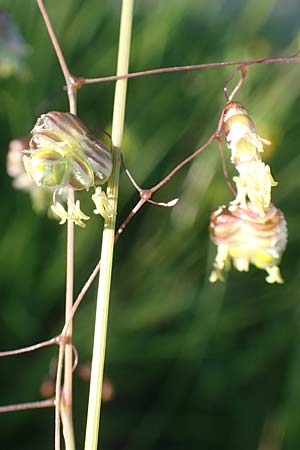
(63, 154)
(244, 237)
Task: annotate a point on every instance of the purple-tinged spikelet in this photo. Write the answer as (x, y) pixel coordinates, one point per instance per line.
(63, 152)
(244, 237)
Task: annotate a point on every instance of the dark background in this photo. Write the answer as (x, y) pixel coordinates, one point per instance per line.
(193, 365)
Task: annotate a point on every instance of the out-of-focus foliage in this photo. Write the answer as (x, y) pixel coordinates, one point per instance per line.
(192, 365)
(12, 47)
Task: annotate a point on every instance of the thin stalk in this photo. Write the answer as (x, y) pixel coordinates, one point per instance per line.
(67, 397)
(30, 348)
(94, 405)
(64, 407)
(28, 405)
(58, 394)
(55, 43)
(246, 63)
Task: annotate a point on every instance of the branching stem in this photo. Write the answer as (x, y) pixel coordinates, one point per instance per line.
(144, 73)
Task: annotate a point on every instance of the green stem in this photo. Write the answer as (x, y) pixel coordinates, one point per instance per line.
(94, 406)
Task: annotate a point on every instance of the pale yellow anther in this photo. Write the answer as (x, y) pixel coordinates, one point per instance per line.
(102, 203)
(221, 262)
(255, 182)
(274, 275)
(75, 214)
(59, 211)
(241, 264)
(241, 193)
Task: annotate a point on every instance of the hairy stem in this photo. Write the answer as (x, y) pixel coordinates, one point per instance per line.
(94, 406)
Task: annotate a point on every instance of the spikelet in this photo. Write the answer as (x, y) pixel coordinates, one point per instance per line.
(255, 180)
(243, 237)
(64, 152)
(63, 155)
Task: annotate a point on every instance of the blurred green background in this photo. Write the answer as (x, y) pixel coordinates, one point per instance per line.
(192, 365)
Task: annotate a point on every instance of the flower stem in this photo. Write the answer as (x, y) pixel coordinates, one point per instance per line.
(63, 403)
(66, 405)
(94, 406)
(67, 395)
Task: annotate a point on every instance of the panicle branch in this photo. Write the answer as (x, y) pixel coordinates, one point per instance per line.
(31, 348)
(50, 402)
(245, 63)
